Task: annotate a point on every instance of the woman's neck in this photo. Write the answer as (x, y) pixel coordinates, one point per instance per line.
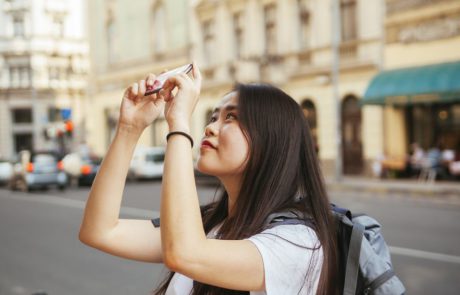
(232, 187)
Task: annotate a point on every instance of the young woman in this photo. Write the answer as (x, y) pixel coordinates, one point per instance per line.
(258, 144)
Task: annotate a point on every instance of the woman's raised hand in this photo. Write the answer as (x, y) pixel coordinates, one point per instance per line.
(138, 111)
(179, 107)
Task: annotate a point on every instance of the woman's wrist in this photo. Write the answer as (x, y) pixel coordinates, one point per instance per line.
(181, 126)
(128, 131)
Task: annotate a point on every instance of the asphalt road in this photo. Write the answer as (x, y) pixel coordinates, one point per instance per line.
(40, 251)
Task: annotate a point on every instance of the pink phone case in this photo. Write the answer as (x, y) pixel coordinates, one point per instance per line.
(161, 79)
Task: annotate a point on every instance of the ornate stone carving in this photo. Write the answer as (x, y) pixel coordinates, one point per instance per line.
(402, 5)
(433, 30)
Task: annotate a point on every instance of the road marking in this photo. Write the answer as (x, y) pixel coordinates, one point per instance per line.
(141, 213)
(425, 254)
(135, 212)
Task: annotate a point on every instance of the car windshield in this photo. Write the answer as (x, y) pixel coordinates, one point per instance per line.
(155, 158)
(44, 159)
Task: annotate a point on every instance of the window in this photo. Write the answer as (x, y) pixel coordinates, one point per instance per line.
(23, 142)
(159, 28)
(208, 41)
(14, 77)
(54, 114)
(270, 28)
(20, 76)
(238, 24)
(57, 27)
(53, 73)
(348, 20)
(18, 26)
(309, 111)
(21, 116)
(24, 77)
(110, 30)
(304, 24)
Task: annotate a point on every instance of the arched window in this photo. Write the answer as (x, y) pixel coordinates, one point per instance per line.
(309, 110)
(352, 149)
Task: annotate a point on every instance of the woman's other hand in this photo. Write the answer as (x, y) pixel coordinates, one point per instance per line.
(138, 111)
(180, 106)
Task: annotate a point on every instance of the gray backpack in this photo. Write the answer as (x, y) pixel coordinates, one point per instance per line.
(364, 259)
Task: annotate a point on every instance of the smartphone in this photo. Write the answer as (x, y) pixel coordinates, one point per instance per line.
(161, 79)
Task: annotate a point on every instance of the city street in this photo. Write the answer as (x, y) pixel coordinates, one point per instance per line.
(40, 250)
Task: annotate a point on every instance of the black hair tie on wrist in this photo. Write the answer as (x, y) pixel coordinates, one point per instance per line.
(180, 133)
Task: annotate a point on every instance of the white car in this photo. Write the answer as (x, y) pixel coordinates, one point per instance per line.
(6, 171)
(147, 163)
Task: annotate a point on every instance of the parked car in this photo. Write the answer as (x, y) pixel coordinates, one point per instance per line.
(81, 169)
(147, 163)
(6, 171)
(38, 170)
(88, 170)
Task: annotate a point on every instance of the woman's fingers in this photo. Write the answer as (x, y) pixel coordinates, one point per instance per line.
(149, 81)
(133, 91)
(169, 85)
(142, 89)
(197, 76)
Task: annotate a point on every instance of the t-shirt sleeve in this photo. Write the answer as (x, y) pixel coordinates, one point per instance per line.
(292, 259)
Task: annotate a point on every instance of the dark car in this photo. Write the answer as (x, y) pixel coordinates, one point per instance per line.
(38, 170)
(88, 170)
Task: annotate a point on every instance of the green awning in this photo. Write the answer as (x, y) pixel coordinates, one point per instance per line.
(439, 83)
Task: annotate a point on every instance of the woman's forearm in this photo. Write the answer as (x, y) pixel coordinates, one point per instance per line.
(181, 223)
(104, 200)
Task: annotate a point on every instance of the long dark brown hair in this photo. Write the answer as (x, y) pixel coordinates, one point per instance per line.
(282, 162)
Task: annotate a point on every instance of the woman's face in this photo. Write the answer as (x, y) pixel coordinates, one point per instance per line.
(224, 148)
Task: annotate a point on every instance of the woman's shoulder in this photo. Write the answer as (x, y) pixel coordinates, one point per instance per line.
(295, 234)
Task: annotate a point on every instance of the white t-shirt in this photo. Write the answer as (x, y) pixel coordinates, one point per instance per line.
(287, 254)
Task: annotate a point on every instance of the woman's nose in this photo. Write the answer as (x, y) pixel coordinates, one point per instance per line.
(210, 130)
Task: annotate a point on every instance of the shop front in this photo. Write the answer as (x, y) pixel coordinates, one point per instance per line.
(421, 118)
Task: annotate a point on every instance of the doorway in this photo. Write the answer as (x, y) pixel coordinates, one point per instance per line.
(352, 147)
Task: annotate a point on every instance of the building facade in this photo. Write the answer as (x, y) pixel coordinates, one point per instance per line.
(287, 43)
(43, 74)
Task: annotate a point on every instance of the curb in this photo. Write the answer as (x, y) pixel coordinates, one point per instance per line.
(401, 188)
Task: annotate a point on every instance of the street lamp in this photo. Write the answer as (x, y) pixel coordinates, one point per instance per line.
(336, 29)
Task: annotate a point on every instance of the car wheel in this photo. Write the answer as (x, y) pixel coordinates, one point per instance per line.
(61, 187)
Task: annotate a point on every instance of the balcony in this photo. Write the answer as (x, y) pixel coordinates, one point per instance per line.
(349, 50)
(56, 6)
(17, 5)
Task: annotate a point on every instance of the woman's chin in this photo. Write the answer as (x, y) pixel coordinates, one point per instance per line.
(202, 168)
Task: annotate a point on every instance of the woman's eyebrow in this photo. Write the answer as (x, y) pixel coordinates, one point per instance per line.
(227, 108)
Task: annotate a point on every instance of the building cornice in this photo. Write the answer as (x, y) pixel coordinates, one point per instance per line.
(424, 13)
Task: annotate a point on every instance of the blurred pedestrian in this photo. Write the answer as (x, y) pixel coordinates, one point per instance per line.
(416, 159)
(259, 146)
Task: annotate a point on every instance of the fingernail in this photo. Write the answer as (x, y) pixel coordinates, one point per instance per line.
(149, 82)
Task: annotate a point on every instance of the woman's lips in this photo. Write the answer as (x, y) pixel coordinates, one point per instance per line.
(207, 144)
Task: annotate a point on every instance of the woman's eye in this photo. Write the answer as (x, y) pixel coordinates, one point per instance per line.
(230, 115)
(213, 119)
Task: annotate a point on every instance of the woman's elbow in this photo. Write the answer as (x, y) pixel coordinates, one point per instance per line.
(88, 238)
(175, 260)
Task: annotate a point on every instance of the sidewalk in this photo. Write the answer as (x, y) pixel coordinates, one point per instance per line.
(410, 187)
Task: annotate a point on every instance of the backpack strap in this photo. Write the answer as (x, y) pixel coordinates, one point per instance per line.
(292, 217)
(352, 268)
